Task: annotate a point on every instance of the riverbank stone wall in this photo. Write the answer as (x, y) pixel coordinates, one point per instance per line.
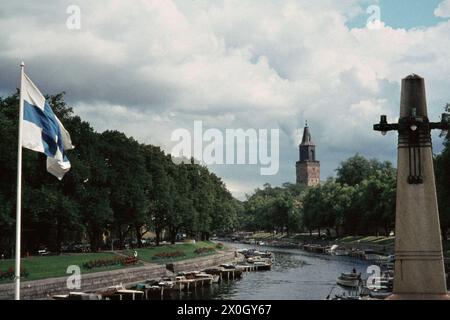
(46, 288)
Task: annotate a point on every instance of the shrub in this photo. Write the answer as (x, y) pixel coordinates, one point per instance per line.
(10, 273)
(128, 261)
(123, 261)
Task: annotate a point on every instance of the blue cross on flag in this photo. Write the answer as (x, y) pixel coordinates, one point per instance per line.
(42, 131)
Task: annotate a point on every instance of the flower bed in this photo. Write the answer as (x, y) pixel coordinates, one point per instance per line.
(219, 246)
(166, 255)
(10, 274)
(123, 261)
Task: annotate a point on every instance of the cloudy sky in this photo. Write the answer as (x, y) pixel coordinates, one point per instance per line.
(150, 67)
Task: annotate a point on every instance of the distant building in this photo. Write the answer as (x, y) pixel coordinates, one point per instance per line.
(308, 169)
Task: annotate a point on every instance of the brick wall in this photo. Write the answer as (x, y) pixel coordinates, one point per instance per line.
(308, 173)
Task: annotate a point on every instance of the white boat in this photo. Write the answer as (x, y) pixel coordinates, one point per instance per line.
(350, 280)
(77, 296)
(380, 294)
(371, 255)
(214, 277)
(341, 252)
(338, 251)
(263, 265)
(207, 277)
(332, 249)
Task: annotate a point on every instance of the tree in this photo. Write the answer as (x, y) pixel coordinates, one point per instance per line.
(360, 201)
(312, 208)
(442, 170)
(354, 170)
(126, 172)
(116, 187)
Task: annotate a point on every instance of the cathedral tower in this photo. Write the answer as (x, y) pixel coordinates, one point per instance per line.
(308, 169)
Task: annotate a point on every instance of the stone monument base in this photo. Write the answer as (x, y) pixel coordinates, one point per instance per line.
(418, 296)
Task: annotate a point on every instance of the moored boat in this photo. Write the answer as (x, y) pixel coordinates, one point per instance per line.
(340, 251)
(76, 296)
(350, 280)
(380, 294)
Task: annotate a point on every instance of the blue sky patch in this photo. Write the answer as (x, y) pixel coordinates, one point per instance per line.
(405, 14)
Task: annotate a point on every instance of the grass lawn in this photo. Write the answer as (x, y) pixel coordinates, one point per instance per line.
(384, 241)
(372, 240)
(148, 254)
(387, 241)
(56, 266)
(269, 236)
(261, 235)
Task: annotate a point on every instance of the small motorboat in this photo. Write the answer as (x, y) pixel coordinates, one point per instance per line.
(380, 293)
(214, 278)
(255, 253)
(110, 292)
(263, 265)
(371, 255)
(337, 250)
(341, 252)
(349, 280)
(77, 296)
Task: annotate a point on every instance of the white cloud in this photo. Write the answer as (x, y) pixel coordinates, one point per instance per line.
(149, 67)
(443, 10)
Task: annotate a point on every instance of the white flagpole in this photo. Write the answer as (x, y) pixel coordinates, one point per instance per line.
(19, 188)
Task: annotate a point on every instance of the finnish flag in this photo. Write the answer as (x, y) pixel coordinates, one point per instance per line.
(42, 131)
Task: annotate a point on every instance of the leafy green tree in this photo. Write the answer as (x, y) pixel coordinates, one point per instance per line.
(442, 169)
(116, 187)
(354, 170)
(312, 209)
(126, 172)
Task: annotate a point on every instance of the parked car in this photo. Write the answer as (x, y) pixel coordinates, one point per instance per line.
(43, 251)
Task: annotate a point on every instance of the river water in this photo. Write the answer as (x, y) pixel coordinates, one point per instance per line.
(295, 275)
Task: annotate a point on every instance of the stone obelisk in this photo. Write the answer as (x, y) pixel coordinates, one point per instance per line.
(419, 265)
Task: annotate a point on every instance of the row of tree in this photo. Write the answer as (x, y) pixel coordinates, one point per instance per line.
(117, 189)
(360, 200)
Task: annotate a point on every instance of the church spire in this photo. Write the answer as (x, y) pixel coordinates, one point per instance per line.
(306, 140)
